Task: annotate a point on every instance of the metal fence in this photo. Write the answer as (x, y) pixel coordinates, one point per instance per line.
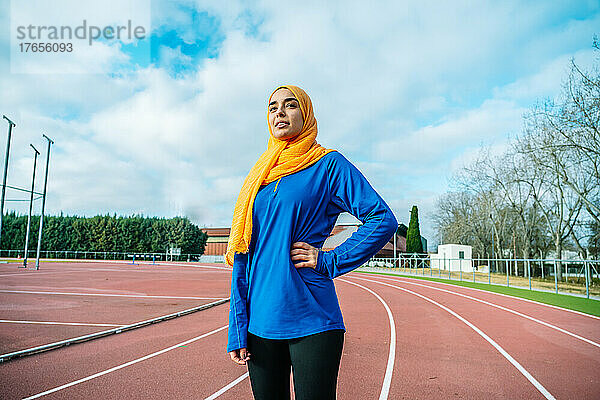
(574, 277)
(106, 255)
(577, 277)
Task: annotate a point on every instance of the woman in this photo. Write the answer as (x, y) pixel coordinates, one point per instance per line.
(284, 311)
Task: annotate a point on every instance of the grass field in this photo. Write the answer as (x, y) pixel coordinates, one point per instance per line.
(588, 306)
(571, 284)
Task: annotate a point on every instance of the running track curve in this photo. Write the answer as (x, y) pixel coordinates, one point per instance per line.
(436, 354)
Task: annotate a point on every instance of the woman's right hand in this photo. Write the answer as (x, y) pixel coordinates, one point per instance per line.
(240, 356)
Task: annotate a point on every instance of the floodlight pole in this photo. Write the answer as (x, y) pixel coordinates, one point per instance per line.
(30, 206)
(10, 126)
(39, 244)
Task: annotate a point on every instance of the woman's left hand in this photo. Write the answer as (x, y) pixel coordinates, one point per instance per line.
(306, 254)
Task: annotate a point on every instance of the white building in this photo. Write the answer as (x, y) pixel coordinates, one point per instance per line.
(453, 257)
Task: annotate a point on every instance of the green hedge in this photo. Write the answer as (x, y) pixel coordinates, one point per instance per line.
(104, 233)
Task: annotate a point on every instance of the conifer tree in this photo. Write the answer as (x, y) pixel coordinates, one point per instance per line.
(413, 236)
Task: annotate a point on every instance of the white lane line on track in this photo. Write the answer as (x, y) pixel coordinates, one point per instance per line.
(198, 266)
(549, 325)
(497, 294)
(113, 295)
(387, 380)
(56, 323)
(33, 272)
(227, 387)
(514, 362)
(96, 375)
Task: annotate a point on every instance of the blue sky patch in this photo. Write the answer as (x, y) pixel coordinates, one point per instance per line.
(181, 48)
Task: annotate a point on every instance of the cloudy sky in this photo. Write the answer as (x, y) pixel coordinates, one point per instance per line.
(170, 124)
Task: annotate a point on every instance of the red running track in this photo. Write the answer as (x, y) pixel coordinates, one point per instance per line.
(96, 294)
(566, 366)
(436, 354)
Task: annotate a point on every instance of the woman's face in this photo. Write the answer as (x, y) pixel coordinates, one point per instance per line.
(285, 116)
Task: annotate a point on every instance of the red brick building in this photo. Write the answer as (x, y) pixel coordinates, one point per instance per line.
(216, 245)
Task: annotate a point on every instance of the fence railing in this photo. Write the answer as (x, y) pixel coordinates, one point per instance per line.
(107, 255)
(576, 277)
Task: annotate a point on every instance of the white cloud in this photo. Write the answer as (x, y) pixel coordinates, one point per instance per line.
(394, 85)
(435, 145)
(546, 82)
(79, 27)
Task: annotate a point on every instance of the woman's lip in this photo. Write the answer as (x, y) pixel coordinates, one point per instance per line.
(281, 124)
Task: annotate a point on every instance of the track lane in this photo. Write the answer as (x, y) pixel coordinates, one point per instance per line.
(565, 366)
(441, 357)
(371, 339)
(99, 374)
(585, 325)
(221, 369)
(86, 293)
(126, 280)
(424, 368)
(366, 323)
(31, 375)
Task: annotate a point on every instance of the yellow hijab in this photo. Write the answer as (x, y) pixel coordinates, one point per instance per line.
(282, 158)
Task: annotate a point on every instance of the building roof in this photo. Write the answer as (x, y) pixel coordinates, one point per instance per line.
(217, 232)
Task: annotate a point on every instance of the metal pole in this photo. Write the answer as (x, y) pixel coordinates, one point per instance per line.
(490, 272)
(492, 235)
(587, 281)
(30, 206)
(395, 254)
(473, 268)
(507, 265)
(39, 245)
(515, 255)
(555, 278)
(10, 126)
(529, 272)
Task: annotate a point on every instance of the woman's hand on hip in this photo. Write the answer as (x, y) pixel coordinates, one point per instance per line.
(304, 255)
(240, 356)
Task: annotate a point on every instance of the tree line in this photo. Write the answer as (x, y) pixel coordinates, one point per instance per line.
(541, 195)
(104, 233)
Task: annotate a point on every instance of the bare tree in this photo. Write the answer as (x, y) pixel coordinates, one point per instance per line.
(514, 183)
(575, 118)
(460, 217)
(546, 185)
(560, 206)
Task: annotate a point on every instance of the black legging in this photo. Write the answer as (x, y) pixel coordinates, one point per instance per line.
(315, 361)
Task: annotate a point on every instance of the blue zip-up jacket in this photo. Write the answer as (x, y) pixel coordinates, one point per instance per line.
(273, 299)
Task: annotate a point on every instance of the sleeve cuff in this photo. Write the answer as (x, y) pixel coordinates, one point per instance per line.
(237, 346)
(321, 266)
